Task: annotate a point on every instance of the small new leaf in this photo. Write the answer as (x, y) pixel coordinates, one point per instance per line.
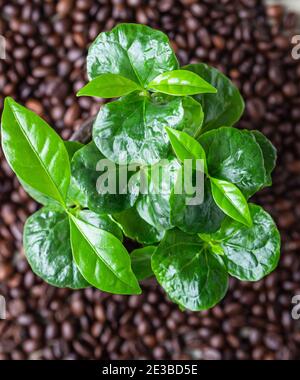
(181, 83)
(231, 200)
(186, 147)
(109, 86)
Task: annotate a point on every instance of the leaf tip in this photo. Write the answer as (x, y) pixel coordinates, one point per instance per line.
(249, 219)
(9, 100)
(80, 92)
(249, 223)
(138, 290)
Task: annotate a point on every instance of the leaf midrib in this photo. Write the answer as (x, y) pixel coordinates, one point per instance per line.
(38, 157)
(129, 59)
(225, 194)
(93, 249)
(177, 85)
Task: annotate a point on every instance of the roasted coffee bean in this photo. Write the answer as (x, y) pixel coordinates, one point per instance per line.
(68, 331)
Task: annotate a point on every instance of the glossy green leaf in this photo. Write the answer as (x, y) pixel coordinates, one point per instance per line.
(38, 196)
(136, 228)
(132, 129)
(231, 200)
(109, 86)
(35, 152)
(234, 156)
(224, 108)
(190, 273)
(193, 116)
(141, 262)
(103, 222)
(48, 250)
(84, 182)
(250, 253)
(181, 83)
(154, 207)
(186, 147)
(205, 217)
(76, 196)
(269, 154)
(134, 51)
(73, 193)
(72, 147)
(102, 259)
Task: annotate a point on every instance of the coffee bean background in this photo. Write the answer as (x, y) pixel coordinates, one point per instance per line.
(47, 42)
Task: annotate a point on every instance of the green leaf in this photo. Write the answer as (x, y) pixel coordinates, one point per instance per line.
(35, 152)
(190, 273)
(181, 83)
(103, 222)
(74, 194)
(231, 200)
(141, 262)
(223, 108)
(186, 147)
(136, 228)
(205, 217)
(193, 116)
(109, 86)
(234, 156)
(48, 250)
(132, 129)
(250, 253)
(84, 183)
(269, 154)
(38, 196)
(154, 207)
(134, 51)
(102, 259)
(72, 147)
